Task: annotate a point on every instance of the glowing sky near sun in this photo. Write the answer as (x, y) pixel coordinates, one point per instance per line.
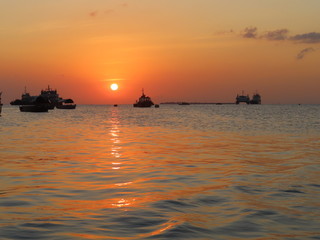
(177, 50)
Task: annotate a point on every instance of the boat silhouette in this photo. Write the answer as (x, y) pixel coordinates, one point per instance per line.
(144, 101)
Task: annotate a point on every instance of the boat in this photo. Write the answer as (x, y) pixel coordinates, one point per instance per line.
(256, 99)
(66, 104)
(26, 99)
(184, 103)
(242, 98)
(144, 101)
(38, 104)
(0, 103)
(33, 108)
(52, 96)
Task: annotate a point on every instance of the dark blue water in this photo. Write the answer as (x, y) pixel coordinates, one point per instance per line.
(177, 172)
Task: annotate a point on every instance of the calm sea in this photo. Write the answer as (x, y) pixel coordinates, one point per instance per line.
(174, 172)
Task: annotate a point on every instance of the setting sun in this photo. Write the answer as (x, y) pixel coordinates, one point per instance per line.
(114, 86)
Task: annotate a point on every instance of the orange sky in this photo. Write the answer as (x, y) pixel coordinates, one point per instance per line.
(177, 50)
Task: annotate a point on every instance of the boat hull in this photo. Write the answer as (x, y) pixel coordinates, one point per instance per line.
(66, 106)
(145, 105)
(33, 108)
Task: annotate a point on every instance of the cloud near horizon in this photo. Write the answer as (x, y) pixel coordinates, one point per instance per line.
(303, 52)
(250, 32)
(93, 13)
(312, 37)
(280, 35)
(96, 13)
(276, 35)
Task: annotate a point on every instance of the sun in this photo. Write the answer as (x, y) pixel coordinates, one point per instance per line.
(114, 87)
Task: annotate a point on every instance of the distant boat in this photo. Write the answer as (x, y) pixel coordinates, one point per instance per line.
(52, 96)
(38, 104)
(242, 98)
(26, 99)
(49, 94)
(184, 103)
(144, 101)
(34, 108)
(256, 99)
(66, 104)
(0, 103)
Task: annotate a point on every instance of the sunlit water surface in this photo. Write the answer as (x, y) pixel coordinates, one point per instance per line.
(176, 172)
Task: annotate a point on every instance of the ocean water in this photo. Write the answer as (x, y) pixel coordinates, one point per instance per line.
(176, 172)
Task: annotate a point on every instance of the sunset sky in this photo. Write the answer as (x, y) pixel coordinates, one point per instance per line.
(177, 50)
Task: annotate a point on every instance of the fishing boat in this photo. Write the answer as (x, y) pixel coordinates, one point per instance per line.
(52, 96)
(242, 98)
(26, 99)
(33, 108)
(256, 99)
(66, 104)
(144, 101)
(0, 103)
(37, 104)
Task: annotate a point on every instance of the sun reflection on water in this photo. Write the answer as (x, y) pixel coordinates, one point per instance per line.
(123, 202)
(115, 139)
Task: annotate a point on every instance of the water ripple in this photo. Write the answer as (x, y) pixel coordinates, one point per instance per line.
(202, 172)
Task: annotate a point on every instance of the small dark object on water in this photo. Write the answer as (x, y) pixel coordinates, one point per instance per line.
(184, 103)
(37, 104)
(34, 108)
(66, 104)
(156, 106)
(144, 101)
(115, 105)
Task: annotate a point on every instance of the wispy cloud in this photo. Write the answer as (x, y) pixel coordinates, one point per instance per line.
(93, 13)
(97, 13)
(224, 32)
(101, 12)
(276, 35)
(303, 52)
(250, 32)
(280, 35)
(312, 37)
(113, 79)
(124, 4)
